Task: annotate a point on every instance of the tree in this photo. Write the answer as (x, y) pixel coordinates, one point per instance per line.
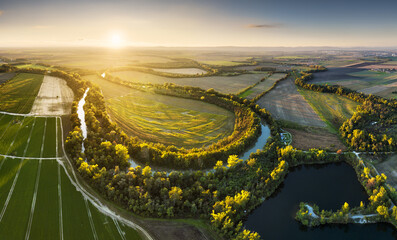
(382, 210)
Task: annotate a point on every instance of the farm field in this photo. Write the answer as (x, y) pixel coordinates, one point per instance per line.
(6, 76)
(37, 198)
(169, 120)
(265, 85)
(285, 102)
(19, 93)
(366, 81)
(192, 71)
(332, 109)
(175, 122)
(309, 138)
(54, 98)
(224, 84)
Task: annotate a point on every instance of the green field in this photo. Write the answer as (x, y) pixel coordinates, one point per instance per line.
(224, 84)
(169, 120)
(332, 109)
(34, 66)
(37, 198)
(265, 85)
(19, 93)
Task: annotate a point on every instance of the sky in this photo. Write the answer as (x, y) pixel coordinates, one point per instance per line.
(259, 23)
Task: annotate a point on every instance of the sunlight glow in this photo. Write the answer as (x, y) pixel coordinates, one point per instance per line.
(116, 41)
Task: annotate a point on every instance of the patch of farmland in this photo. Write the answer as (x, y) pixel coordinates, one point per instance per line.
(6, 76)
(191, 71)
(265, 85)
(19, 93)
(332, 108)
(318, 138)
(370, 82)
(37, 199)
(224, 84)
(170, 120)
(285, 102)
(54, 98)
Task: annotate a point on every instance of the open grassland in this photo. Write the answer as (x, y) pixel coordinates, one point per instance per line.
(333, 109)
(285, 102)
(19, 93)
(224, 84)
(171, 121)
(37, 198)
(265, 85)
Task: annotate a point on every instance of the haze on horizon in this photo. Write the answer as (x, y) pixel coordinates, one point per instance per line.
(260, 23)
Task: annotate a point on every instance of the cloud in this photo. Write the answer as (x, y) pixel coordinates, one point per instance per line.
(42, 26)
(272, 25)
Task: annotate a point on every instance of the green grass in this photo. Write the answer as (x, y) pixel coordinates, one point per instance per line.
(17, 214)
(76, 224)
(45, 223)
(19, 93)
(50, 139)
(9, 135)
(170, 122)
(34, 66)
(34, 148)
(265, 85)
(7, 174)
(21, 139)
(245, 93)
(104, 225)
(332, 109)
(129, 233)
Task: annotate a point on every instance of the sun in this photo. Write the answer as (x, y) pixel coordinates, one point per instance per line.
(116, 41)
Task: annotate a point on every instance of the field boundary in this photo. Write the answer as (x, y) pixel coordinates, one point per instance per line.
(36, 187)
(11, 191)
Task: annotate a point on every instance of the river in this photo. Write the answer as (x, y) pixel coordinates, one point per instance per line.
(81, 116)
(328, 186)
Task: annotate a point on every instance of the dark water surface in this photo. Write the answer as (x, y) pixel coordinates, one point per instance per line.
(328, 186)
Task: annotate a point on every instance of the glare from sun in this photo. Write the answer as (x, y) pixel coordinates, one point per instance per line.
(116, 41)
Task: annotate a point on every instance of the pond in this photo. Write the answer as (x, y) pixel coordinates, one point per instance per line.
(328, 186)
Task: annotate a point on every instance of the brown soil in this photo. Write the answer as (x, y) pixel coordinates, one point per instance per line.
(285, 102)
(54, 98)
(315, 138)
